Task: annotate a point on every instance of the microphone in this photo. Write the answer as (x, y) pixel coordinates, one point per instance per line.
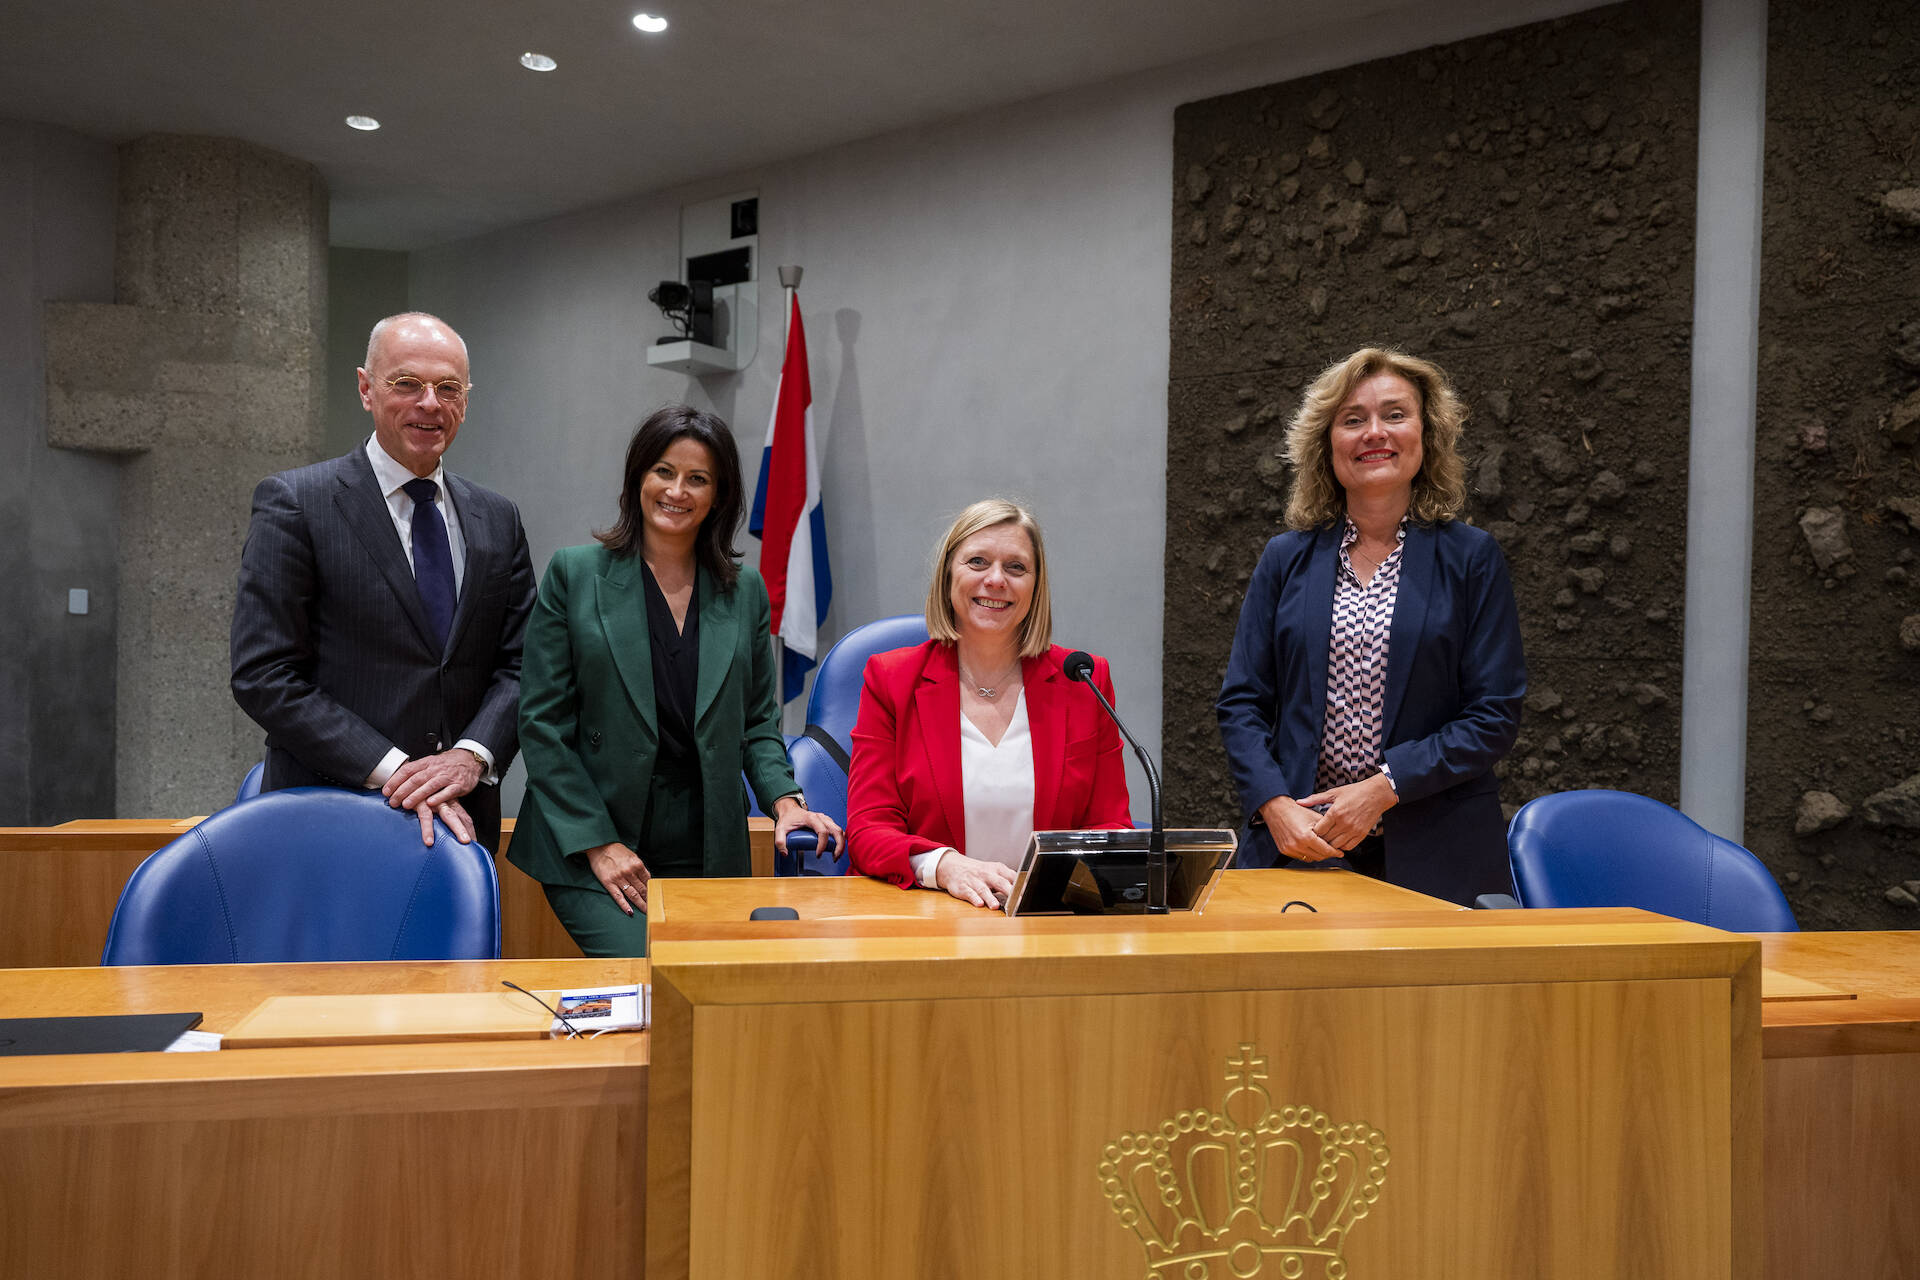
(1079, 666)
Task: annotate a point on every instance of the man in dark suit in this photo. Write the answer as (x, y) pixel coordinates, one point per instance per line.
(382, 603)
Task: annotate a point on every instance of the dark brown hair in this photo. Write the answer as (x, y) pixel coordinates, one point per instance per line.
(713, 547)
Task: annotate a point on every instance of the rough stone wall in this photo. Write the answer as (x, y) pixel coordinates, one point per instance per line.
(206, 376)
(1519, 208)
(1833, 728)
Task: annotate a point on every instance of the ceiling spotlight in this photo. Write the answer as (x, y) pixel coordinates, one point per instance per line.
(537, 62)
(364, 123)
(649, 23)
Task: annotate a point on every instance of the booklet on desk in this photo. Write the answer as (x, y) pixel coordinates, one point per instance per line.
(593, 1009)
(102, 1033)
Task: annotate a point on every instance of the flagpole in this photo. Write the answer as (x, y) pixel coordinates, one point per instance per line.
(790, 285)
(790, 281)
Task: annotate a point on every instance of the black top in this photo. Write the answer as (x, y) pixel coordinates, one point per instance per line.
(676, 671)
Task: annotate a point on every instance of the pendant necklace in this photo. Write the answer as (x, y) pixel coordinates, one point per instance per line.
(990, 692)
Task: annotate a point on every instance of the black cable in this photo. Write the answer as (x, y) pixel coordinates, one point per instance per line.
(1297, 903)
(573, 1032)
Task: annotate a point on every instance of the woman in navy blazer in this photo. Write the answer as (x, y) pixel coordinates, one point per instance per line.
(981, 723)
(1334, 756)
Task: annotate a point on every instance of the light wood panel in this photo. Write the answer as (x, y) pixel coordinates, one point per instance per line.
(1519, 1163)
(58, 887)
(406, 1018)
(1868, 963)
(1776, 985)
(1843, 1167)
(227, 992)
(940, 1106)
(1881, 969)
(1400, 948)
(861, 898)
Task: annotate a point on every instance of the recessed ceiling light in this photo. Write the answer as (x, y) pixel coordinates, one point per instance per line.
(537, 62)
(366, 123)
(652, 24)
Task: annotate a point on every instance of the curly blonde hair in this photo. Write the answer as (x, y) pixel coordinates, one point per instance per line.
(1440, 487)
(1036, 629)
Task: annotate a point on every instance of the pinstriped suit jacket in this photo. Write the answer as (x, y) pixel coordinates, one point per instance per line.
(331, 649)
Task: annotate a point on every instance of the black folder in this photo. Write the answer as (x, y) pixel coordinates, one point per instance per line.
(109, 1033)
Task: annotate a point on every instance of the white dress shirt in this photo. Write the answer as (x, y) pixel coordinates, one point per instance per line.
(997, 780)
(392, 479)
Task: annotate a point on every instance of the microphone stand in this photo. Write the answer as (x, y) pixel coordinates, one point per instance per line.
(1157, 837)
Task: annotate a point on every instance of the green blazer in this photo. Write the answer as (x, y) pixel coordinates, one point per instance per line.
(588, 730)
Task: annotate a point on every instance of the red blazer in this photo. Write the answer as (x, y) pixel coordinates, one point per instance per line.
(904, 792)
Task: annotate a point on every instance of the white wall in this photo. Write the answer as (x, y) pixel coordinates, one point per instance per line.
(986, 304)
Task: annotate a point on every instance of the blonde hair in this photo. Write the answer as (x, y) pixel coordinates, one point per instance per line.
(1036, 629)
(1440, 487)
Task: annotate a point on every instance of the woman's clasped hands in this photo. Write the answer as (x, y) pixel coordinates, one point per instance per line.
(1300, 831)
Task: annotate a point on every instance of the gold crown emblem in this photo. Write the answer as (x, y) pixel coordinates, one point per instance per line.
(1250, 1190)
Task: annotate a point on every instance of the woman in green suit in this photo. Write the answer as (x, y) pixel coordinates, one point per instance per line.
(647, 687)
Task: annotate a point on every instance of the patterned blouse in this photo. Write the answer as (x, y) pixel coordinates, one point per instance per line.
(1357, 668)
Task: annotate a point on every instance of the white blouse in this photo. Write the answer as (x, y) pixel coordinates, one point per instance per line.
(997, 780)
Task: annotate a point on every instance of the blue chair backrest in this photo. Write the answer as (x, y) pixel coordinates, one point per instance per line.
(753, 801)
(826, 788)
(308, 874)
(1618, 849)
(250, 785)
(834, 703)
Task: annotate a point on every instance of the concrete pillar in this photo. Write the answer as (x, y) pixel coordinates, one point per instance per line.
(205, 375)
(1726, 342)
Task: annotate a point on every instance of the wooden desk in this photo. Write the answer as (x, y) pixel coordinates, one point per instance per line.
(893, 1096)
(59, 885)
(1842, 1080)
(310, 1162)
(505, 1158)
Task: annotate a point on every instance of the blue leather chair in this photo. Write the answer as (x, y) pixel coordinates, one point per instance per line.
(825, 784)
(834, 704)
(308, 874)
(250, 785)
(819, 755)
(753, 801)
(1618, 849)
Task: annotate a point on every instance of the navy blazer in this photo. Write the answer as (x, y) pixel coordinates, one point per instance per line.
(1455, 680)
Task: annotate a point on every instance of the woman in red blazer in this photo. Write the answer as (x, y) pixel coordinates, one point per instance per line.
(970, 742)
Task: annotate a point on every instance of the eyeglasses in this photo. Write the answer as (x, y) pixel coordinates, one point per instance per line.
(448, 392)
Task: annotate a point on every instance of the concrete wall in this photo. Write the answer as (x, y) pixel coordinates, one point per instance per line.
(58, 510)
(986, 304)
(204, 374)
(364, 286)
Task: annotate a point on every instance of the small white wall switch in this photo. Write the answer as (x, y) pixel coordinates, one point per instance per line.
(76, 599)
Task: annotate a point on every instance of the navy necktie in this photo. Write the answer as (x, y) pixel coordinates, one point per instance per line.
(432, 559)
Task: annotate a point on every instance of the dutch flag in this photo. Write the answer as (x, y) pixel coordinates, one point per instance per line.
(788, 519)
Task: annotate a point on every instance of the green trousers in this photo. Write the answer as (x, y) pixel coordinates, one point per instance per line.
(672, 846)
